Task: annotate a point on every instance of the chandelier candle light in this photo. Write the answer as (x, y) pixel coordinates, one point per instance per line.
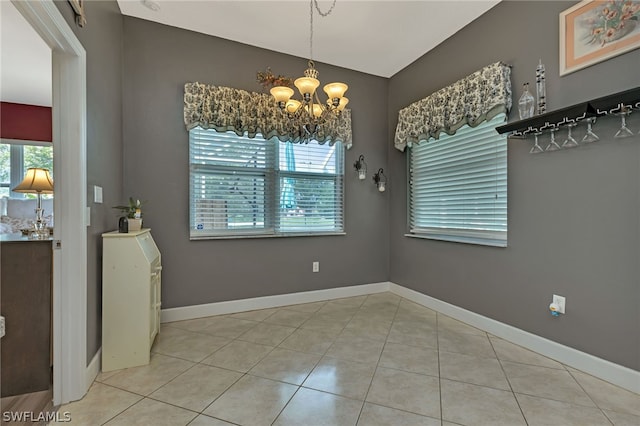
(309, 113)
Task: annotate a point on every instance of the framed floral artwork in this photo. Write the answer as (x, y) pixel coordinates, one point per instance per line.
(593, 31)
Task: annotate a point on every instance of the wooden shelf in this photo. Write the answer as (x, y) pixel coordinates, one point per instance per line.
(594, 108)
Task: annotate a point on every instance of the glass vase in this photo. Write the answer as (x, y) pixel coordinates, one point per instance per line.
(526, 103)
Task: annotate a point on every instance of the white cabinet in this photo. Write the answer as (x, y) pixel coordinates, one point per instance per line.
(131, 277)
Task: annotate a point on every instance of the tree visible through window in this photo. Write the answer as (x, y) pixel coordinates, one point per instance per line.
(15, 159)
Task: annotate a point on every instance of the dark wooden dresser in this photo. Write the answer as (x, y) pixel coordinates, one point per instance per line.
(25, 302)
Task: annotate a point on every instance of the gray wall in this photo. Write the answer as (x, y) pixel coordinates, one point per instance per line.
(573, 215)
(158, 61)
(102, 40)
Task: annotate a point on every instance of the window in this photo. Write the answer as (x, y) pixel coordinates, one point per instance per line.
(458, 186)
(15, 159)
(256, 187)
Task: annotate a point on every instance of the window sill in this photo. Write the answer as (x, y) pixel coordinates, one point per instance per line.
(244, 237)
(458, 239)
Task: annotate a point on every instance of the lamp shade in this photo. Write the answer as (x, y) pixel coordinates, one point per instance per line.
(317, 110)
(335, 90)
(36, 181)
(292, 106)
(306, 85)
(343, 103)
(281, 93)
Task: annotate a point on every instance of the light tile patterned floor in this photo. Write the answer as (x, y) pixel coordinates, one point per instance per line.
(367, 360)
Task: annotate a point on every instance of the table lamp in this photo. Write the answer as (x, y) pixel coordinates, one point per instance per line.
(37, 181)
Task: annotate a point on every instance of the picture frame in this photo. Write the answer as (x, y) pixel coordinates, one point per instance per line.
(593, 31)
(78, 9)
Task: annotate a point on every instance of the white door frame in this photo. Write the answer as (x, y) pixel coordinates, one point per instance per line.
(69, 156)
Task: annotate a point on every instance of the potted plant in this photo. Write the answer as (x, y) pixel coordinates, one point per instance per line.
(133, 213)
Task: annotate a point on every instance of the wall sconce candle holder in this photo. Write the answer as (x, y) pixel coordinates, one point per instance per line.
(361, 167)
(380, 180)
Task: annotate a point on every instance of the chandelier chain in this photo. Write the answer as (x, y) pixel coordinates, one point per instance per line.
(327, 13)
(321, 13)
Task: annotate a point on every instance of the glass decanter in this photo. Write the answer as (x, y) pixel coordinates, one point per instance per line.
(526, 103)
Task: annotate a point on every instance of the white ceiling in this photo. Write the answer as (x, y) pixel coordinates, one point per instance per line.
(25, 60)
(378, 37)
(373, 36)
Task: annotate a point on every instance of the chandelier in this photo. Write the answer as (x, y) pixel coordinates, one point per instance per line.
(309, 113)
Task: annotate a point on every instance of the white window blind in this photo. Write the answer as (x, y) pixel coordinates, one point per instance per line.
(458, 186)
(242, 186)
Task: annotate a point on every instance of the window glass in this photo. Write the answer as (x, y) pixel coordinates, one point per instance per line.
(458, 186)
(243, 186)
(5, 170)
(15, 159)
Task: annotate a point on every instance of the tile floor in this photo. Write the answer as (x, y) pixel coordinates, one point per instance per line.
(367, 360)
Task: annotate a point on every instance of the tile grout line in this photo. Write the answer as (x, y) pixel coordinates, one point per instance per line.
(364, 401)
(406, 371)
(310, 315)
(116, 415)
(300, 386)
(547, 398)
(310, 371)
(588, 394)
(245, 373)
(439, 367)
(508, 380)
(231, 340)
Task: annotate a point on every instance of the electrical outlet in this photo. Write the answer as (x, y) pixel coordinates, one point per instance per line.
(316, 266)
(560, 301)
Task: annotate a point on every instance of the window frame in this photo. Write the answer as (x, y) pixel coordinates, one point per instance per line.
(272, 193)
(16, 164)
(461, 235)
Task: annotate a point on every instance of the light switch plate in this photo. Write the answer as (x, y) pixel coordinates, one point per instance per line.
(97, 194)
(2, 329)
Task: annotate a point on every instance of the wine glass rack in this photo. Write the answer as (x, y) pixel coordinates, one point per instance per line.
(607, 105)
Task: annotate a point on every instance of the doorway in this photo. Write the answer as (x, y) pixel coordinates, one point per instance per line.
(70, 375)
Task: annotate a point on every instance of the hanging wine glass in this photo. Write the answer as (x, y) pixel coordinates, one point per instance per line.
(536, 149)
(624, 131)
(553, 145)
(590, 136)
(570, 142)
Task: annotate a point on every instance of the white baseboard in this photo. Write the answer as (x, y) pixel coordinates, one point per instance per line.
(598, 367)
(233, 306)
(93, 369)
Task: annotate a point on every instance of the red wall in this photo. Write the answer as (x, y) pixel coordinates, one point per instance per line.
(25, 122)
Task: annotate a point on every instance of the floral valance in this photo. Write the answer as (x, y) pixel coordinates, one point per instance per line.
(471, 100)
(228, 109)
